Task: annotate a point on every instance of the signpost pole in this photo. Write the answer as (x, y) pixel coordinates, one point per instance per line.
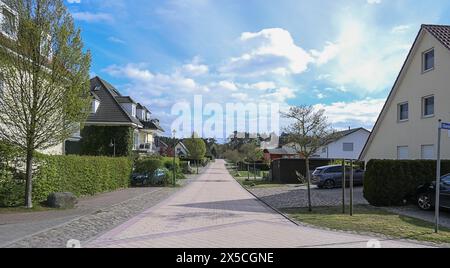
(343, 185)
(351, 187)
(438, 178)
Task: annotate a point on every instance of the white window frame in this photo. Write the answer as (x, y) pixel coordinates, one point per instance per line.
(399, 112)
(3, 6)
(348, 143)
(422, 155)
(399, 153)
(424, 108)
(95, 106)
(424, 60)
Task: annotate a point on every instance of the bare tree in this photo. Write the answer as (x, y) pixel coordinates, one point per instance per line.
(308, 132)
(45, 75)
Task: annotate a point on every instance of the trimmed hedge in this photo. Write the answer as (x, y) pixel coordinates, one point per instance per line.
(391, 182)
(80, 175)
(95, 140)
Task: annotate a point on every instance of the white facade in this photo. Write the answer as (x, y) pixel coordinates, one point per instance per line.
(348, 147)
(410, 132)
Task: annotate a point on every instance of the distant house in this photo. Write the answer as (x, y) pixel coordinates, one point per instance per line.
(285, 152)
(181, 150)
(407, 126)
(346, 144)
(117, 119)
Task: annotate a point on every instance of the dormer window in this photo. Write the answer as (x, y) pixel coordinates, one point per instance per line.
(95, 105)
(428, 60)
(148, 117)
(133, 110)
(9, 22)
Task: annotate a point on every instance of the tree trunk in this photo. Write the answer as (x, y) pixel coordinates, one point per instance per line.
(308, 179)
(254, 170)
(29, 181)
(197, 166)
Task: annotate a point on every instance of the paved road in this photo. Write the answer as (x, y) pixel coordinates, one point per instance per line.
(215, 211)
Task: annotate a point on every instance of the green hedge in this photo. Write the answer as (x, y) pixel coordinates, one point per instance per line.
(391, 182)
(150, 164)
(96, 140)
(80, 175)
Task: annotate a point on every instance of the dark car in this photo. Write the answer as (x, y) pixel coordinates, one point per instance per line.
(426, 194)
(157, 178)
(330, 177)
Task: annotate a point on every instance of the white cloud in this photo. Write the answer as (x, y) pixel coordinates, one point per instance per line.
(357, 113)
(400, 29)
(330, 51)
(280, 95)
(116, 40)
(372, 2)
(364, 63)
(74, 1)
(270, 51)
(144, 80)
(224, 86)
(93, 17)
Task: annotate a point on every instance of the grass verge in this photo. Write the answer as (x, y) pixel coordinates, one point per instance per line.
(368, 219)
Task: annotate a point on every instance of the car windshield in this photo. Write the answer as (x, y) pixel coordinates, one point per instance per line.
(318, 171)
(446, 179)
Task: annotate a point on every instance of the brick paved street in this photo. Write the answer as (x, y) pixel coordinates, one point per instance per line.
(215, 211)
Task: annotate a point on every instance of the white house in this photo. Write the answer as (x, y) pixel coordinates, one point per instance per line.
(346, 144)
(181, 150)
(407, 125)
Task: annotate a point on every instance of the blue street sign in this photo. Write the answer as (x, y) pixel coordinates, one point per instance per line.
(445, 126)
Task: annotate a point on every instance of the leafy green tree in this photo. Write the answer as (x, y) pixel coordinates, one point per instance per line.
(45, 70)
(196, 148)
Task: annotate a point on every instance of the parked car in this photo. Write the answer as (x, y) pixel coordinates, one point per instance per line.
(157, 178)
(426, 194)
(330, 177)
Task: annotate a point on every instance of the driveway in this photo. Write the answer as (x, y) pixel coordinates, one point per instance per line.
(216, 212)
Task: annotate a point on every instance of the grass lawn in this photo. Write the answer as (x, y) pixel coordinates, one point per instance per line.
(256, 183)
(369, 219)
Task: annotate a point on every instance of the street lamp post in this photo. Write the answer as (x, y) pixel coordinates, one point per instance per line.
(174, 132)
(113, 145)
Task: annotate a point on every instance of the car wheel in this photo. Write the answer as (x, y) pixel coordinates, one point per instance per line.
(329, 184)
(424, 201)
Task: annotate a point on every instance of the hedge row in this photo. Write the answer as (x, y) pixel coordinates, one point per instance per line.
(150, 164)
(81, 175)
(391, 182)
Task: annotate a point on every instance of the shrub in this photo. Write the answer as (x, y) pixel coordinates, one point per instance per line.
(390, 182)
(186, 168)
(12, 191)
(80, 175)
(148, 165)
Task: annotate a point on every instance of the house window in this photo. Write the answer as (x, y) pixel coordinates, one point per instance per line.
(428, 106)
(402, 152)
(348, 147)
(133, 110)
(95, 105)
(403, 111)
(324, 150)
(428, 152)
(9, 26)
(428, 60)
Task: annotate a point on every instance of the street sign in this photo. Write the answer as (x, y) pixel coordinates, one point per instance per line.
(445, 126)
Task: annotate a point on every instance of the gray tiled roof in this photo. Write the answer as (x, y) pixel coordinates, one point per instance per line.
(125, 99)
(441, 32)
(109, 111)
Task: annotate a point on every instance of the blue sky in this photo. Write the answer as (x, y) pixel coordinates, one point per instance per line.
(340, 55)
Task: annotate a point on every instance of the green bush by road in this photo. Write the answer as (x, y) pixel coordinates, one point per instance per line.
(390, 182)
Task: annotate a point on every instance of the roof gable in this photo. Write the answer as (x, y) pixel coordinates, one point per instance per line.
(442, 34)
(110, 110)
